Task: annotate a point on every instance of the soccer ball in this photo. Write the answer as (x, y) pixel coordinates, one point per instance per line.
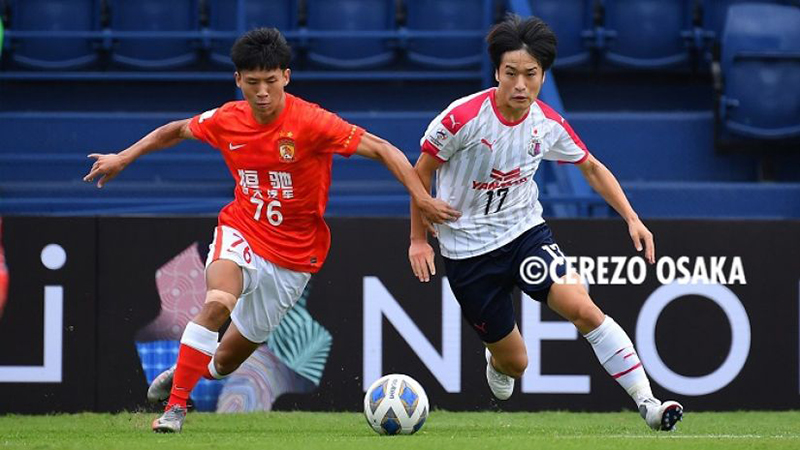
(396, 404)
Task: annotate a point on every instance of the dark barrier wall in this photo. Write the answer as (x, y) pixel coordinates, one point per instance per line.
(711, 346)
(48, 328)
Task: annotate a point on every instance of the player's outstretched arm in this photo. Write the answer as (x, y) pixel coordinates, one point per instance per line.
(434, 210)
(603, 181)
(420, 253)
(109, 165)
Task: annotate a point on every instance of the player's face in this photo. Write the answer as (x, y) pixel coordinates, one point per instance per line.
(263, 90)
(519, 79)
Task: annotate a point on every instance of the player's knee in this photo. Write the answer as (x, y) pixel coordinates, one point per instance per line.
(573, 303)
(515, 366)
(214, 313)
(217, 297)
(225, 275)
(573, 279)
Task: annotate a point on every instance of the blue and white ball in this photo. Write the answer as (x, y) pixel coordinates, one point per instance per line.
(396, 404)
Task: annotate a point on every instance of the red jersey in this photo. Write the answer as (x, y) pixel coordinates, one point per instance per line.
(282, 171)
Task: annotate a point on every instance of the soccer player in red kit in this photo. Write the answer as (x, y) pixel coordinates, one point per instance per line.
(272, 236)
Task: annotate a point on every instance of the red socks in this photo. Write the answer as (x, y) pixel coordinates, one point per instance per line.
(192, 364)
(197, 345)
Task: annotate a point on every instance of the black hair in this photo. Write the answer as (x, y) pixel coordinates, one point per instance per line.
(261, 49)
(515, 33)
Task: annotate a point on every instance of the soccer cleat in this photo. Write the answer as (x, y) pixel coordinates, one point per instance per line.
(502, 385)
(161, 386)
(661, 416)
(171, 421)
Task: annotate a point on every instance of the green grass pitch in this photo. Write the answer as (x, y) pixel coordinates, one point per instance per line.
(444, 430)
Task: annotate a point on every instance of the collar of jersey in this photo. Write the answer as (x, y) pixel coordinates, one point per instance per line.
(278, 120)
(500, 117)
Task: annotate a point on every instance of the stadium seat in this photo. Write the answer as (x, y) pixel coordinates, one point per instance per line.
(350, 15)
(54, 15)
(571, 20)
(281, 14)
(761, 71)
(714, 12)
(647, 33)
(446, 15)
(154, 16)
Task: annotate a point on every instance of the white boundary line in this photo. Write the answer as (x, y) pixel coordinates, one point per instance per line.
(677, 436)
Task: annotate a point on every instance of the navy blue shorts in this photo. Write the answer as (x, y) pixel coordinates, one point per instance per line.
(483, 284)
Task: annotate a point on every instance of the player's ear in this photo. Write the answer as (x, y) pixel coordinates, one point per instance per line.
(287, 75)
(497, 75)
(544, 76)
(238, 77)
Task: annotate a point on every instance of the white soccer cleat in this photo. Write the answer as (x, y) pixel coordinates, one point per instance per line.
(502, 385)
(661, 416)
(161, 386)
(171, 421)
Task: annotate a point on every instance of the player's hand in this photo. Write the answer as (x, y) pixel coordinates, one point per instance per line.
(420, 254)
(107, 166)
(643, 238)
(436, 211)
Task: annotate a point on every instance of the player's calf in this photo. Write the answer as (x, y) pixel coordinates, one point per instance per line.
(198, 344)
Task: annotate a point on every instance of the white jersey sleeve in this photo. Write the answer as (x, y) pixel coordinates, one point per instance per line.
(446, 134)
(565, 145)
(439, 141)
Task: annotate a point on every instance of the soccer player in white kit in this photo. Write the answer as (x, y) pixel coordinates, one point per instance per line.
(484, 150)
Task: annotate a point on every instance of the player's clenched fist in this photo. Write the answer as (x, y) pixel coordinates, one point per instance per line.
(108, 165)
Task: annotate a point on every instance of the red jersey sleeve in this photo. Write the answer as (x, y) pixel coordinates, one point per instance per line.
(331, 134)
(205, 126)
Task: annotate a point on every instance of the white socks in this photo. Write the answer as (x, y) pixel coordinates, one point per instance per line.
(204, 340)
(213, 371)
(615, 352)
(200, 338)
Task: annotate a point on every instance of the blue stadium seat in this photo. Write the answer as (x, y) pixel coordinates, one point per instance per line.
(154, 16)
(647, 33)
(446, 15)
(54, 15)
(350, 15)
(281, 14)
(761, 69)
(714, 12)
(571, 20)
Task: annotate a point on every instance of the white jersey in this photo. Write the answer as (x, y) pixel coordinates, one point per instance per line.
(488, 169)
